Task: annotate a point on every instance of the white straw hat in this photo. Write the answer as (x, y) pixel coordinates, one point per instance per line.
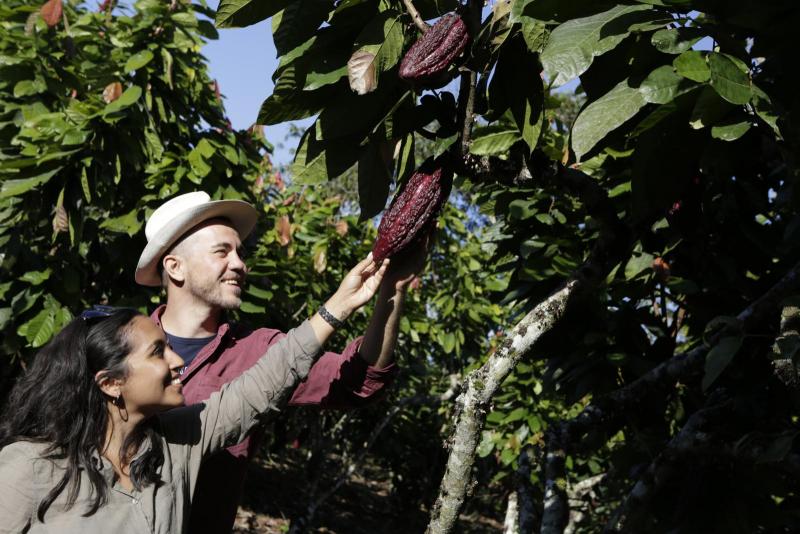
(177, 216)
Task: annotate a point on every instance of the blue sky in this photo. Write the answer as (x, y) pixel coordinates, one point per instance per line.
(242, 61)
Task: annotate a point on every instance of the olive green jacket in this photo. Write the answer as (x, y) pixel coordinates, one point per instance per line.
(188, 434)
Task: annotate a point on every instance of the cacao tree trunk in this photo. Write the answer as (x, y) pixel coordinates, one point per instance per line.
(473, 403)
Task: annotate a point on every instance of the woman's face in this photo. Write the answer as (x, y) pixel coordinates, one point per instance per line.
(152, 384)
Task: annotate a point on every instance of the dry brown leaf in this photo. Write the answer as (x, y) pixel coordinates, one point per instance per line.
(112, 92)
(60, 220)
(661, 268)
(30, 22)
(51, 12)
(320, 260)
(361, 72)
(284, 228)
(342, 228)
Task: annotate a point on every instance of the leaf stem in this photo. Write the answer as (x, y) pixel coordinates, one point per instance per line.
(415, 16)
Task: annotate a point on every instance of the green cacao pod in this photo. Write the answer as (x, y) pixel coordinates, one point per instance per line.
(426, 62)
(414, 209)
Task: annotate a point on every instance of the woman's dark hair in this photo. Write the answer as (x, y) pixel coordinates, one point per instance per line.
(58, 402)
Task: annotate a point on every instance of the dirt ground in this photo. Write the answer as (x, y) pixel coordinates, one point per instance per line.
(274, 494)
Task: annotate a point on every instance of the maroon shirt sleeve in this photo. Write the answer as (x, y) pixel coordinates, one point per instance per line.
(343, 380)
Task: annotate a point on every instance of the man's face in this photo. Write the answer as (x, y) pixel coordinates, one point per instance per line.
(213, 267)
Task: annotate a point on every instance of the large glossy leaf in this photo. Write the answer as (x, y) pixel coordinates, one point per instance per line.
(732, 131)
(693, 66)
(517, 87)
(374, 177)
(138, 60)
(676, 40)
(605, 115)
(127, 99)
(317, 161)
(19, 186)
(298, 22)
(729, 79)
(663, 84)
(719, 357)
(240, 13)
(572, 46)
(494, 139)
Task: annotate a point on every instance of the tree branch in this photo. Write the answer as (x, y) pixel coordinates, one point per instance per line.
(606, 415)
(689, 437)
(473, 403)
(415, 16)
(525, 499)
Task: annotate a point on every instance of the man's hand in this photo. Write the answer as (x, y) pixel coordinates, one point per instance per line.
(408, 264)
(357, 288)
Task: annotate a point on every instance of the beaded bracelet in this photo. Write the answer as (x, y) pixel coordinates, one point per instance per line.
(330, 318)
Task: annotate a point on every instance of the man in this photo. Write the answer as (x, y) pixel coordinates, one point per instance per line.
(194, 250)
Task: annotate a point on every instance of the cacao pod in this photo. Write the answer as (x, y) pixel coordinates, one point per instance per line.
(426, 62)
(413, 211)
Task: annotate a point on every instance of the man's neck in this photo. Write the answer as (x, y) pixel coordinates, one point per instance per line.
(186, 317)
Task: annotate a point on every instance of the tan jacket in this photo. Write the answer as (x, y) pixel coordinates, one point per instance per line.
(189, 434)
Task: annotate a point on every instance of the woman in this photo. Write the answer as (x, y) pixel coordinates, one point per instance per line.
(86, 444)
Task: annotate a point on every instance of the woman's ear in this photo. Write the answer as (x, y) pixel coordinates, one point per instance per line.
(110, 386)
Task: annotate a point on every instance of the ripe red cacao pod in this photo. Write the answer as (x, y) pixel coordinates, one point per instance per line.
(426, 62)
(413, 210)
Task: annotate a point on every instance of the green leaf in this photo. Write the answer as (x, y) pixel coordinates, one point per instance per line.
(493, 140)
(374, 177)
(517, 87)
(383, 36)
(572, 46)
(40, 329)
(317, 161)
(663, 85)
(763, 107)
(127, 224)
(36, 278)
(126, 99)
(676, 40)
(605, 115)
(29, 87)
(719, 357)
(298, 22)
(728, 79)
(486, 445)
(240, 13)
(730, 132)
(709, 109)
(693, 66)
(279, 108)
(639, 262)
(12, 188)
(138, 60)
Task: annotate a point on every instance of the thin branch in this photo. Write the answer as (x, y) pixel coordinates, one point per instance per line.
(466, 108)
(415, 16)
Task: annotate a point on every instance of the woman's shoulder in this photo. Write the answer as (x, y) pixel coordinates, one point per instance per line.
(23, 450)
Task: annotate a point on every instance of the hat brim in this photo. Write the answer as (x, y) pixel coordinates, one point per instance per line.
(242, 216)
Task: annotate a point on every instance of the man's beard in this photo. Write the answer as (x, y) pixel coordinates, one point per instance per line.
(211, 292)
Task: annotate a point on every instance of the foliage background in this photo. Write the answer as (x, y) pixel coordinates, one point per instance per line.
(676, 167)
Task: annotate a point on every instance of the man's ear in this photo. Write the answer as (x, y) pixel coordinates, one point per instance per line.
(173, 267)
(112, 387)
